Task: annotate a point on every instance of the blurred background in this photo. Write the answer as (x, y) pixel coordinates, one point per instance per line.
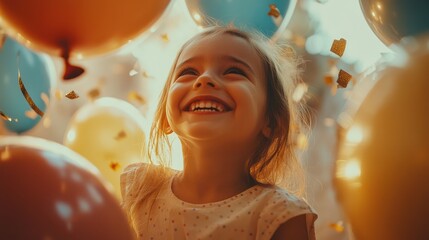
(105, 112)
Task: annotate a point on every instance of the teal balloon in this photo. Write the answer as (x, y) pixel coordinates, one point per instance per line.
(391, 20)
(35, 77)
(246, 14)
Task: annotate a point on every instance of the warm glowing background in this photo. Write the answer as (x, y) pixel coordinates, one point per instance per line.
(140, 69)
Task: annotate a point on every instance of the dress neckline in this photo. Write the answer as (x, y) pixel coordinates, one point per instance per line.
(176, 199)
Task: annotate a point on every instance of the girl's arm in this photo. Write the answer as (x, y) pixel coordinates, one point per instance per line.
(295, 228)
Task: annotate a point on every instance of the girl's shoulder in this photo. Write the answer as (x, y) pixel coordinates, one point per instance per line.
(279, 206)
(135, 174)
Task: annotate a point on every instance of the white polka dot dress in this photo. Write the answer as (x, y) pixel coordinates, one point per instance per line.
(255, 213)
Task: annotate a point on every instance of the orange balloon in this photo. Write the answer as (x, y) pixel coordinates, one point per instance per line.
(50, 192)
(382, 170)
(69, 27)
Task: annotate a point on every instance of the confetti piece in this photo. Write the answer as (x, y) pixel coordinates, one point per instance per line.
(329, 80)
(274, 11)
(72, 95)
(338, 226)
(114, 166)
(338, 46)
(122, 134)
(135, 96)
(165, 37)
(27, 96)
(343, 78)
(58, 94)
(133, 73)
(94, 93)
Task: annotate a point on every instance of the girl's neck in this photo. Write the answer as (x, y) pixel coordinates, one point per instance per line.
(211, 175)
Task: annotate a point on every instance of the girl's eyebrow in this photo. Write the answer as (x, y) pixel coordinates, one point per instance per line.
(238, 60)
(224, 57)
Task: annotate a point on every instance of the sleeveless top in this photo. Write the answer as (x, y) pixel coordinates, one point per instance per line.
(256, 213)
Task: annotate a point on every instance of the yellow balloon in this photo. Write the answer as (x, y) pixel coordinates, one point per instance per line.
(110, 133)
(382, 170)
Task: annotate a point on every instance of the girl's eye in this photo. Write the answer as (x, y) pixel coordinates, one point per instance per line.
(235, 70)
(188, 71)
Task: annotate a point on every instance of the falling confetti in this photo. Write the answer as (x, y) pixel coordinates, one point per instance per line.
(27, 96)
(135, 96)
(338, 226)
(338, 47)
(114, 166)
(93, 93)
(59, 94)
(274, 11)
(122, 134)
(343, 78)
(329, 80)
(72, 95)
(165, 37)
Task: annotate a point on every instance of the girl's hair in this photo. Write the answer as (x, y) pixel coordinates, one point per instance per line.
(275, 161)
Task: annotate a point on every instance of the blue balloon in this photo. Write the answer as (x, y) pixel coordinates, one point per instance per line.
(247, 14)
(35, 78)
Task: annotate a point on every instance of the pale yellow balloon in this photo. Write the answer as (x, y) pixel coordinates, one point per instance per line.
(110, 133)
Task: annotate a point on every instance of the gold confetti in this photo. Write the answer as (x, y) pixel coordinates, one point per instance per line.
(135, 96)
(338, 226)
(72, 95)
(27, 96)
(343, 78)
(94, 93)
(121, 134)
(58, 94)
(339, 46)
(274, 11)
(114, 166)
(165, 37)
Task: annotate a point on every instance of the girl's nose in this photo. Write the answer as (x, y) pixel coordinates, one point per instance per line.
(205, 80)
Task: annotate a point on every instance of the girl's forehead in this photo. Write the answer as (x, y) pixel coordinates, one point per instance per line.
(221, 45)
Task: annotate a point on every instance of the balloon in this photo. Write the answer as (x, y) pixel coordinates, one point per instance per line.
(70, 28)
(268, 17)
(381, 172)
(50, 192)
(392, 20)
(37, 78)
(109, 133)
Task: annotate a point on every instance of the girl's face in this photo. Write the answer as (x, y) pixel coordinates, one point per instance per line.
(218, 91)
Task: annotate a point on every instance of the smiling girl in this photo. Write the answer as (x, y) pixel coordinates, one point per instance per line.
(228, 99)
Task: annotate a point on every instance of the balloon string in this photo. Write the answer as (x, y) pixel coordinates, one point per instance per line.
(70, 71)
